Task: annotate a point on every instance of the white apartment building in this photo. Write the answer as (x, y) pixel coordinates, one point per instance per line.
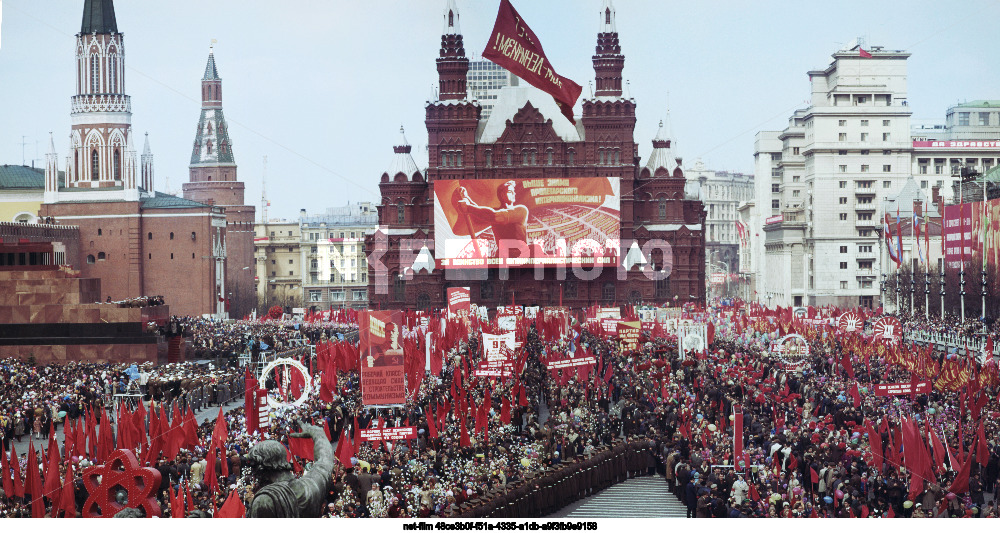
(335, 265)
(484, 81)
(722, 193)
(838, 159)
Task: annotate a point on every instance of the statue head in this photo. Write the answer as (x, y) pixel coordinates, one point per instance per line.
(268, 459)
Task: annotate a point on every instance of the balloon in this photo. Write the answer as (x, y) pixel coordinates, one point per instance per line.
(839, 494)
(700, 416)
(525, 462)
(732, 418)
(931, 411)
(950, 496)
(907, 504)
(827, 499)
(711, 427)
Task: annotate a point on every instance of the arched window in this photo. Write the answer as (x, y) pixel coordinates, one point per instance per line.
(208, 146)
(113, 73)
(607, 15)
(399, 288)
(208, 128)
(571, 156)
(149, 236)
(489, 158)
(663, 208)
(118, 165)
(524, 157)
(90, 259)
(608, 292)
(95, 165)
(400, 213)
(510, 158)
(101, 256)
(95, 74)
(548, 157)
(171, 235)
(451, 19)
(76, 165)
(423, 301)
(663, 289)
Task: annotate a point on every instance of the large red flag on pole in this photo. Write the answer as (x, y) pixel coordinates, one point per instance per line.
(515, 47)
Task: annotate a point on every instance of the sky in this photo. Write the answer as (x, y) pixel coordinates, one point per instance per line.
(321, 87)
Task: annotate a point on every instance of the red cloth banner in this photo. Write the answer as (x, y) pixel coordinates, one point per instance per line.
(382, 369)
(567, 363)
(898, 389)
(398, 433)
(459, 300)
(515, 47)
(628, 333)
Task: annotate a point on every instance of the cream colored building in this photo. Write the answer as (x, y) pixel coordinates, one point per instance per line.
(22, 189)
(333, 248)
(277, 250)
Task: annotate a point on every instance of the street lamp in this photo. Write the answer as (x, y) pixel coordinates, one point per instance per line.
(941, 265)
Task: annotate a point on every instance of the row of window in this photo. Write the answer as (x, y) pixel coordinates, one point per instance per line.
(867, 184)
(886, 136)
(101, 256)
(149, 236)
(95, 73)
(530, 157)
(864, 122)
(338, 295)
(963, 118)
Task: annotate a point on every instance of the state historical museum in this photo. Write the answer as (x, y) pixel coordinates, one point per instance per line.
(526, 137)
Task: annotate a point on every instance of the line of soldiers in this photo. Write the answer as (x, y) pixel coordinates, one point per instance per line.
(560, 486)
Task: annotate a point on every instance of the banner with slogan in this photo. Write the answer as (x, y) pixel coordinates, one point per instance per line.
(381, 348)
(896, 389)
(498, 347)
(500, 368)
(964, 225)
(567, 363)
(459, 300)
(515, 47)
(379, 434)
(521, 223)
(610, 326)
(628, 333)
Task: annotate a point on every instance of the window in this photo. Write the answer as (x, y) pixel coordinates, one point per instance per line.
(864, 168)
(923, 184)
(843, 200)
(548, 157)
(843, 185)
(775, 204)
(510, 158)
(600, 155)
(886, 137)
(843, 284)
(886, 184)
(775, 187)
(99, 232)
(865, 284)
(923, 169)
(489, 158)
(315, 296)
(272, 261)
(885, 122)
(864, 137)
(843, 249)
(400, 213)
(865, 249)
(841, 136)
(795, 194)
(864, 122)
(795, 179)
(963, 119)
(886, 168)
(843, 265)
(663, 208)
(843, 168)
(795, 150)
(608, 292)
(149, 236)
(864, 233)
(843, 216)
(95, 74)
(841, 122)
(95, 165)
(101, 256)
(90, 259)
(571, 155)
(290, 262)
(841, 152)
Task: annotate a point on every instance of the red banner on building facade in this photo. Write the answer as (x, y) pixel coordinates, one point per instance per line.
(381, 347)
(515, 47)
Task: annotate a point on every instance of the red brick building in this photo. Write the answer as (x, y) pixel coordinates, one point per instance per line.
(527, 137)
(136, 241)
(213, 182)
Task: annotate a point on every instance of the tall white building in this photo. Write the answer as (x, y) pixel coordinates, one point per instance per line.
(838, 159)
(722, 193)
(484, 81)
(335, 267)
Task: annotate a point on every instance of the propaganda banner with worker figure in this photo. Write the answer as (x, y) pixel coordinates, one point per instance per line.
(381, 348)
(527, 222)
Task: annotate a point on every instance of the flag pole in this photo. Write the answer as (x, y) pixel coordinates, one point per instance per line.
(982, 253)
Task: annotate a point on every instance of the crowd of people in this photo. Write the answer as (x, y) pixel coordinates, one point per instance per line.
(805, 448)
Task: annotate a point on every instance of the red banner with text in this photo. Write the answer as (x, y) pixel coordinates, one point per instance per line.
(381, 346)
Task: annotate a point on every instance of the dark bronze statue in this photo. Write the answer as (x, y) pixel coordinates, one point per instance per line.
(281, 494)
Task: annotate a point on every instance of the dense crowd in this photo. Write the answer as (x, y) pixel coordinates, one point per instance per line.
(806, 452)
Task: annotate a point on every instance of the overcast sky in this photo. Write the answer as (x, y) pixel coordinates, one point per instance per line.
(321, 87)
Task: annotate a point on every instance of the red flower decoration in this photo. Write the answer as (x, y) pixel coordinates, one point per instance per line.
(121, 472)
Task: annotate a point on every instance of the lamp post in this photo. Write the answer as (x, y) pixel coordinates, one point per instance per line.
(927, 293)
(941, 264)
(881, 290)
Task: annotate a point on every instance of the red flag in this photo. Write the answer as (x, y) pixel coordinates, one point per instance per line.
(8, 483)
(220, 433)
(176, 502)
(33, 484)
(982, 451)
(302, 447)
(754, 495)
(187, 495)
(813, 475)
(51, 486)
(514, 46)
(855, 395)
(961, 483)
(67, 500)
(863, 53)
(211, 478)
(233, 508)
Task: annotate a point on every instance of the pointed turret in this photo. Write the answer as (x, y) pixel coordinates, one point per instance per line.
(608, 61)
(402, 167)
(452, 64)
(128, 178)
(211, 84)
(663, 156)
(51, 171)
(211, 145)
(99, 17)
(147, 166)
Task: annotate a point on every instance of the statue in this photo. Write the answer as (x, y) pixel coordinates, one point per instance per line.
(282, 495)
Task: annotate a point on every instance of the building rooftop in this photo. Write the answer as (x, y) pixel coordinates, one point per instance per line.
(162, 200)
(980, 103)
(24, 177)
